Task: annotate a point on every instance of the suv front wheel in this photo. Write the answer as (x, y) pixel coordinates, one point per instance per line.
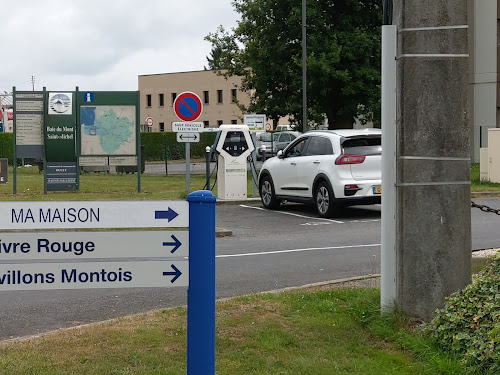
(325, 200)
(267, 195)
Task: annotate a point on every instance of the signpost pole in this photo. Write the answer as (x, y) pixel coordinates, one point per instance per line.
(201, 292)
(14, 161)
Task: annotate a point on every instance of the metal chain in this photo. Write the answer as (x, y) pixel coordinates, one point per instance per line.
(485, 208)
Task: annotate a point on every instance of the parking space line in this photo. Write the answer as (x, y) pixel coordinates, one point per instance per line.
(364, 221)
(298, 250)
(292, 214)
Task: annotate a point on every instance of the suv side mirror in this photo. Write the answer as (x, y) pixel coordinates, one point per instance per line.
(280, 154)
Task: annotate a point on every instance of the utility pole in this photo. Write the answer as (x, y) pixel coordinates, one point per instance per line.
(426, 222)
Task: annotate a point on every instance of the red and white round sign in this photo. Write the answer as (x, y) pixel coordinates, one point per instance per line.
(188, 106)
(149, 121)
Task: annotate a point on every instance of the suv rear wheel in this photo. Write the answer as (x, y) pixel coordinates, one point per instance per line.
(325, 200)
(267, 195)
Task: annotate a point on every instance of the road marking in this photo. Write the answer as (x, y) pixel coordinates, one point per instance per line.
(316, 223)
(297, 250)
(292, 214)
(364, 221)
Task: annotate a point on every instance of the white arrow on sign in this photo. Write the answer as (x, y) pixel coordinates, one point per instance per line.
(22, 246)
(94, 275)
(188, 137)
(94, 214)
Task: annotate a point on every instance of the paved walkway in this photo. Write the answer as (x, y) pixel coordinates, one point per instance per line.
(179, 167)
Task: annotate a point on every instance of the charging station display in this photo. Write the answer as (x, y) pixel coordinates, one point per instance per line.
(234, 146)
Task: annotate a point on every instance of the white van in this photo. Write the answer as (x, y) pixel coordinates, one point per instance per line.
(280, 128)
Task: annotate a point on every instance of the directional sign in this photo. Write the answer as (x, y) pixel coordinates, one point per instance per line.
(188, 106)
(21, 246)
(94, 275)
(188, 137)
(93, 214)
(187, 127)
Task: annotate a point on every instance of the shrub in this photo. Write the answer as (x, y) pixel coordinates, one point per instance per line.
(155, 145)
(469, 323)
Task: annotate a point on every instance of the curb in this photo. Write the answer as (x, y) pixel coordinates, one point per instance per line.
(484, 194)
(221, 232)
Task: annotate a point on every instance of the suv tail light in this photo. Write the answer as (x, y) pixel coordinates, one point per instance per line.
(350, 159)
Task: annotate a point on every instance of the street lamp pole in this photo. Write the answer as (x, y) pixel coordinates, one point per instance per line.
(304, 69)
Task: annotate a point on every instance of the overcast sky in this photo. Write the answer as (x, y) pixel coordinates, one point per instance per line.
(104, 44)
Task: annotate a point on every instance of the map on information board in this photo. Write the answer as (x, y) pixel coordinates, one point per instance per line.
(108, 130)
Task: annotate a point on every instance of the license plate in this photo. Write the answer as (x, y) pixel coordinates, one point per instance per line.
(377, 190)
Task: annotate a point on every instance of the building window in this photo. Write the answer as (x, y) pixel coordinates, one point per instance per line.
(161, 99)
(219, 96)
(234, 122)
(174, 95)
(148, 100)
(162, 126)
(219, 122)
(206, 124)
(206, 97)
(233, 95)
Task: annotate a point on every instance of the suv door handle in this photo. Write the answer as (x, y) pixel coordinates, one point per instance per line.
(293, 163)
(316, 162)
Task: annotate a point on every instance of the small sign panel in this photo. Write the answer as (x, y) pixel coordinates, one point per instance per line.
(188, 137)
(93, 214)
(88, 97)
(62, 176)
(187, 127)
(59, 246)
(60, 103)
(94, 275)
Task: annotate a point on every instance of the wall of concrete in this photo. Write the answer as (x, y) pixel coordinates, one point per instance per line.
(484, 73)
(433, 240)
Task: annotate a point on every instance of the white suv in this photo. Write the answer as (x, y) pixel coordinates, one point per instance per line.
(329, 168)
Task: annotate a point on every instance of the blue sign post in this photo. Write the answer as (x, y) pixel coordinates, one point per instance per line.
(201, 292)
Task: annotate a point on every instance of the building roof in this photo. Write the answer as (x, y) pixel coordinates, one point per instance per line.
(6, 100)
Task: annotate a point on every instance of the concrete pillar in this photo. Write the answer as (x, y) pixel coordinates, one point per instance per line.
(433, 229)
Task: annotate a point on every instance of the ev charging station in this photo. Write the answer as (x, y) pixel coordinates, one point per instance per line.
(234, 146)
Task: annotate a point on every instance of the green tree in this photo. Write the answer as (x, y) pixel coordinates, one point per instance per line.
(343, 57)
(220, 55)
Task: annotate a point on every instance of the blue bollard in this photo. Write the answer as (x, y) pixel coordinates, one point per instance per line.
(201, 291)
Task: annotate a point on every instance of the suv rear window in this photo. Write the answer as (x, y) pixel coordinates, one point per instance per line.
(362, 146)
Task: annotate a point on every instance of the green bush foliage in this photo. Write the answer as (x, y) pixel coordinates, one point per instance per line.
(469, 323)
(6, 146)
(154, 144)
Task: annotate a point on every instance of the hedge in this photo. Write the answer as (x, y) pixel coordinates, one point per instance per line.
(469, 323)
(6, 146)
(154, 146)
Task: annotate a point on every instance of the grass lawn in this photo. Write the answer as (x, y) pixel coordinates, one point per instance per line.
(102, 186)
(327, 331)
(481, 186)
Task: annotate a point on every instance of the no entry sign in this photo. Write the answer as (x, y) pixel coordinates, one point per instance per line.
(188, 106)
